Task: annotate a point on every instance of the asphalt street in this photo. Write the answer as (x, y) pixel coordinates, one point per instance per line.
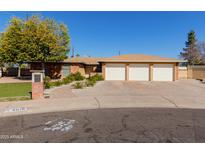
(107, 126)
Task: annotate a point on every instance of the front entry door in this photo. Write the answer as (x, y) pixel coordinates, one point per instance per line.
(65, 71)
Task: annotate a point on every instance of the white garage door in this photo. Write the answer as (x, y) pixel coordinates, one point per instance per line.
(139, 72)
(162, 72)
(115, 72)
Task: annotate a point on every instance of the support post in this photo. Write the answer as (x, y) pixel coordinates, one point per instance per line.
(127, 72)
(37, 84)
(151, 72)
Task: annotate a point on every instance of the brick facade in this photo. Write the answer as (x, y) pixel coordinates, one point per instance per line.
(54, 69)
(37, 90)
(74, 68)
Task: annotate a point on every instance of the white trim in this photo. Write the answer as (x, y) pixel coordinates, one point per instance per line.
(37, 74)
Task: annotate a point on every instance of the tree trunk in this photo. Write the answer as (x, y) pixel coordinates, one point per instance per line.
(1, 72)
(43, 68)
(19, 71)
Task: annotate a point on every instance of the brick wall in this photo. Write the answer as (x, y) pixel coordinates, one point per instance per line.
(77, 68)
(37, 90)
(74, 68)
(91, 70)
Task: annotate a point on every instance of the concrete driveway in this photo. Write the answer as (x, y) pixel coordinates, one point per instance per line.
(119, 88)
(187, 94)
(110, 112)
(181, 93)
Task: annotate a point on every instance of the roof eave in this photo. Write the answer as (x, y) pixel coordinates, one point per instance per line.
(166, 61)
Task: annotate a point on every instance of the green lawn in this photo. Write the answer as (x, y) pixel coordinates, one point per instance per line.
(14, 89)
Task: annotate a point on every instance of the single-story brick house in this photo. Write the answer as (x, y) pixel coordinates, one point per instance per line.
(132, 67)
(85, 65)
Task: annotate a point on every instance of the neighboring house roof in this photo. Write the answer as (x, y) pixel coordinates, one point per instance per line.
(139, 58)
(121, 58)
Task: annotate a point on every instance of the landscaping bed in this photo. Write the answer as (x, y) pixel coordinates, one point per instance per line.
(78, 81)
(90, 82)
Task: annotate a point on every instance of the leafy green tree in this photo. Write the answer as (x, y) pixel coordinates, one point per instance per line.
(191, 52)
(1, 59)
(45, 40)
(35, 40)
(10, 46)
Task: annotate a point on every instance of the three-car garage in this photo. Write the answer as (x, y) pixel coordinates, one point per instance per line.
(139, 67)
(139, 72)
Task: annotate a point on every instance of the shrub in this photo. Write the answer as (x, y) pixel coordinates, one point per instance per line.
(52, 84)
(96, 77)
(47, 85)
(70, 77)
(58, 83)
(47, 80)
(90, 83)
(66, 81)
(78, 85)
(77, 76)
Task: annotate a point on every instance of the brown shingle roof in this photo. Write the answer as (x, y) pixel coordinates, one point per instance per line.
(121, 58)
(139, 58)
(84, 60)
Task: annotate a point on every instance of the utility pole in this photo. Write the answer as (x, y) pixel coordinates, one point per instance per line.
(119, 53)
(73, 52)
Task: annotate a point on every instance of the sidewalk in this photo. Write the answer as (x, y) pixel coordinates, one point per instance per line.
(85, 103)
(47, 105)
(13, 80)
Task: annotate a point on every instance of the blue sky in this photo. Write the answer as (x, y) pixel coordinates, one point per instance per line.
(102, 34)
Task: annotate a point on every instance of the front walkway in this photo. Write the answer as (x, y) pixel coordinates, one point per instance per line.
(64, 91)
(13, 80)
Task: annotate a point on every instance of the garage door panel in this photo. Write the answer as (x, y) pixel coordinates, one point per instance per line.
(115, 72)
(163, 72)
(139, 72)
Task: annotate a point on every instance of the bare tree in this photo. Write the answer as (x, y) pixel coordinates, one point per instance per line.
(191, 52)
(201, 48)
